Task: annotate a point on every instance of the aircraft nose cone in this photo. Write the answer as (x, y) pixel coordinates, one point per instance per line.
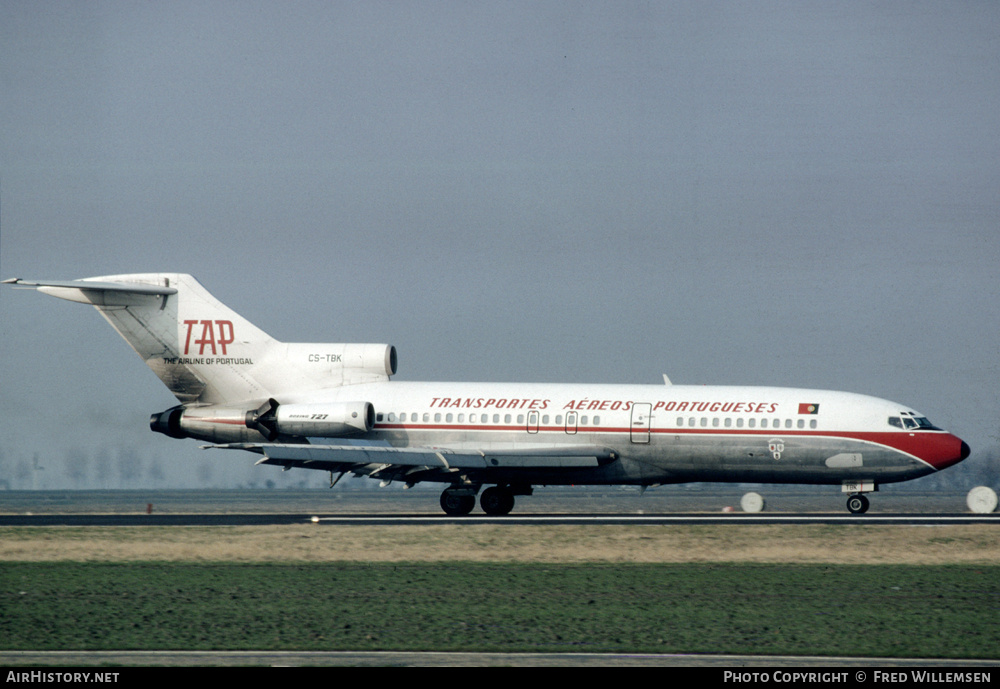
(940, 450)
(947, 451)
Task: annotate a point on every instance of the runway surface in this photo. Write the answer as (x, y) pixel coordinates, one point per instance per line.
(527, 519)
(413, 507)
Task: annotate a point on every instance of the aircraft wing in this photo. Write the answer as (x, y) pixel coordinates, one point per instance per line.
(406, 463)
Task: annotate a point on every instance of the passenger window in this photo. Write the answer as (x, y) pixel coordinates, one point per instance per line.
(437, 418)
(545, 419)
(559, 419)
(763, 423)
(597, 420)
(461, 418)
(751, 423)
(812, 423)
(715, 422)
(448, 418)
(788, 423)
(704, 422)
(729, 422)
(378, 417)
(583, 420)
(680, 420)
(506, 418)
(801, 423)
(739, 423)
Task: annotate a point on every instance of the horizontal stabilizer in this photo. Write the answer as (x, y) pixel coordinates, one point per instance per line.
(131, 288)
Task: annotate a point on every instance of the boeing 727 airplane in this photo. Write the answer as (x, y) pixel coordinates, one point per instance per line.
(333, 408)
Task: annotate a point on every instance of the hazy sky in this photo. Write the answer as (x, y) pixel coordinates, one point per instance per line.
(803, 194)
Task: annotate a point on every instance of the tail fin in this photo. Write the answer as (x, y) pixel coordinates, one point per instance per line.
(205, 352)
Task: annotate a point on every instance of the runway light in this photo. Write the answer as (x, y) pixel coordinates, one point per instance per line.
(752, 502)
(982, 500)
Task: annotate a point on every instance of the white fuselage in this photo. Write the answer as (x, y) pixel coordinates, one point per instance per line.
(661, 434)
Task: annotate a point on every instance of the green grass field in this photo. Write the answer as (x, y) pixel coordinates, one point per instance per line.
(868, 610)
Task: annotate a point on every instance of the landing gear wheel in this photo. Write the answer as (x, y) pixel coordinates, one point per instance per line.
(457, 505)
(496, 501)
(857, 504)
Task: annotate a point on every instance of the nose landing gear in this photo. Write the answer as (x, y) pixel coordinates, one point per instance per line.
(857, 504)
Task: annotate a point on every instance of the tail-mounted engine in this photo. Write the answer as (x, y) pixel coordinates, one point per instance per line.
(317, 420)
(270, 421)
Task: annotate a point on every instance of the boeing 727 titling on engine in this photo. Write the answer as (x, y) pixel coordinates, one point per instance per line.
(333, 407)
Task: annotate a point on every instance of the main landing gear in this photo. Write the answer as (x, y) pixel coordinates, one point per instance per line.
(495, 501)
(458, 502)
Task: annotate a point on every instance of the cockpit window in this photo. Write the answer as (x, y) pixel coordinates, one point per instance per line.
(908, 420)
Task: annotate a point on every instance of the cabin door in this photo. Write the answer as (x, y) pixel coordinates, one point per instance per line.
(640, 421)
